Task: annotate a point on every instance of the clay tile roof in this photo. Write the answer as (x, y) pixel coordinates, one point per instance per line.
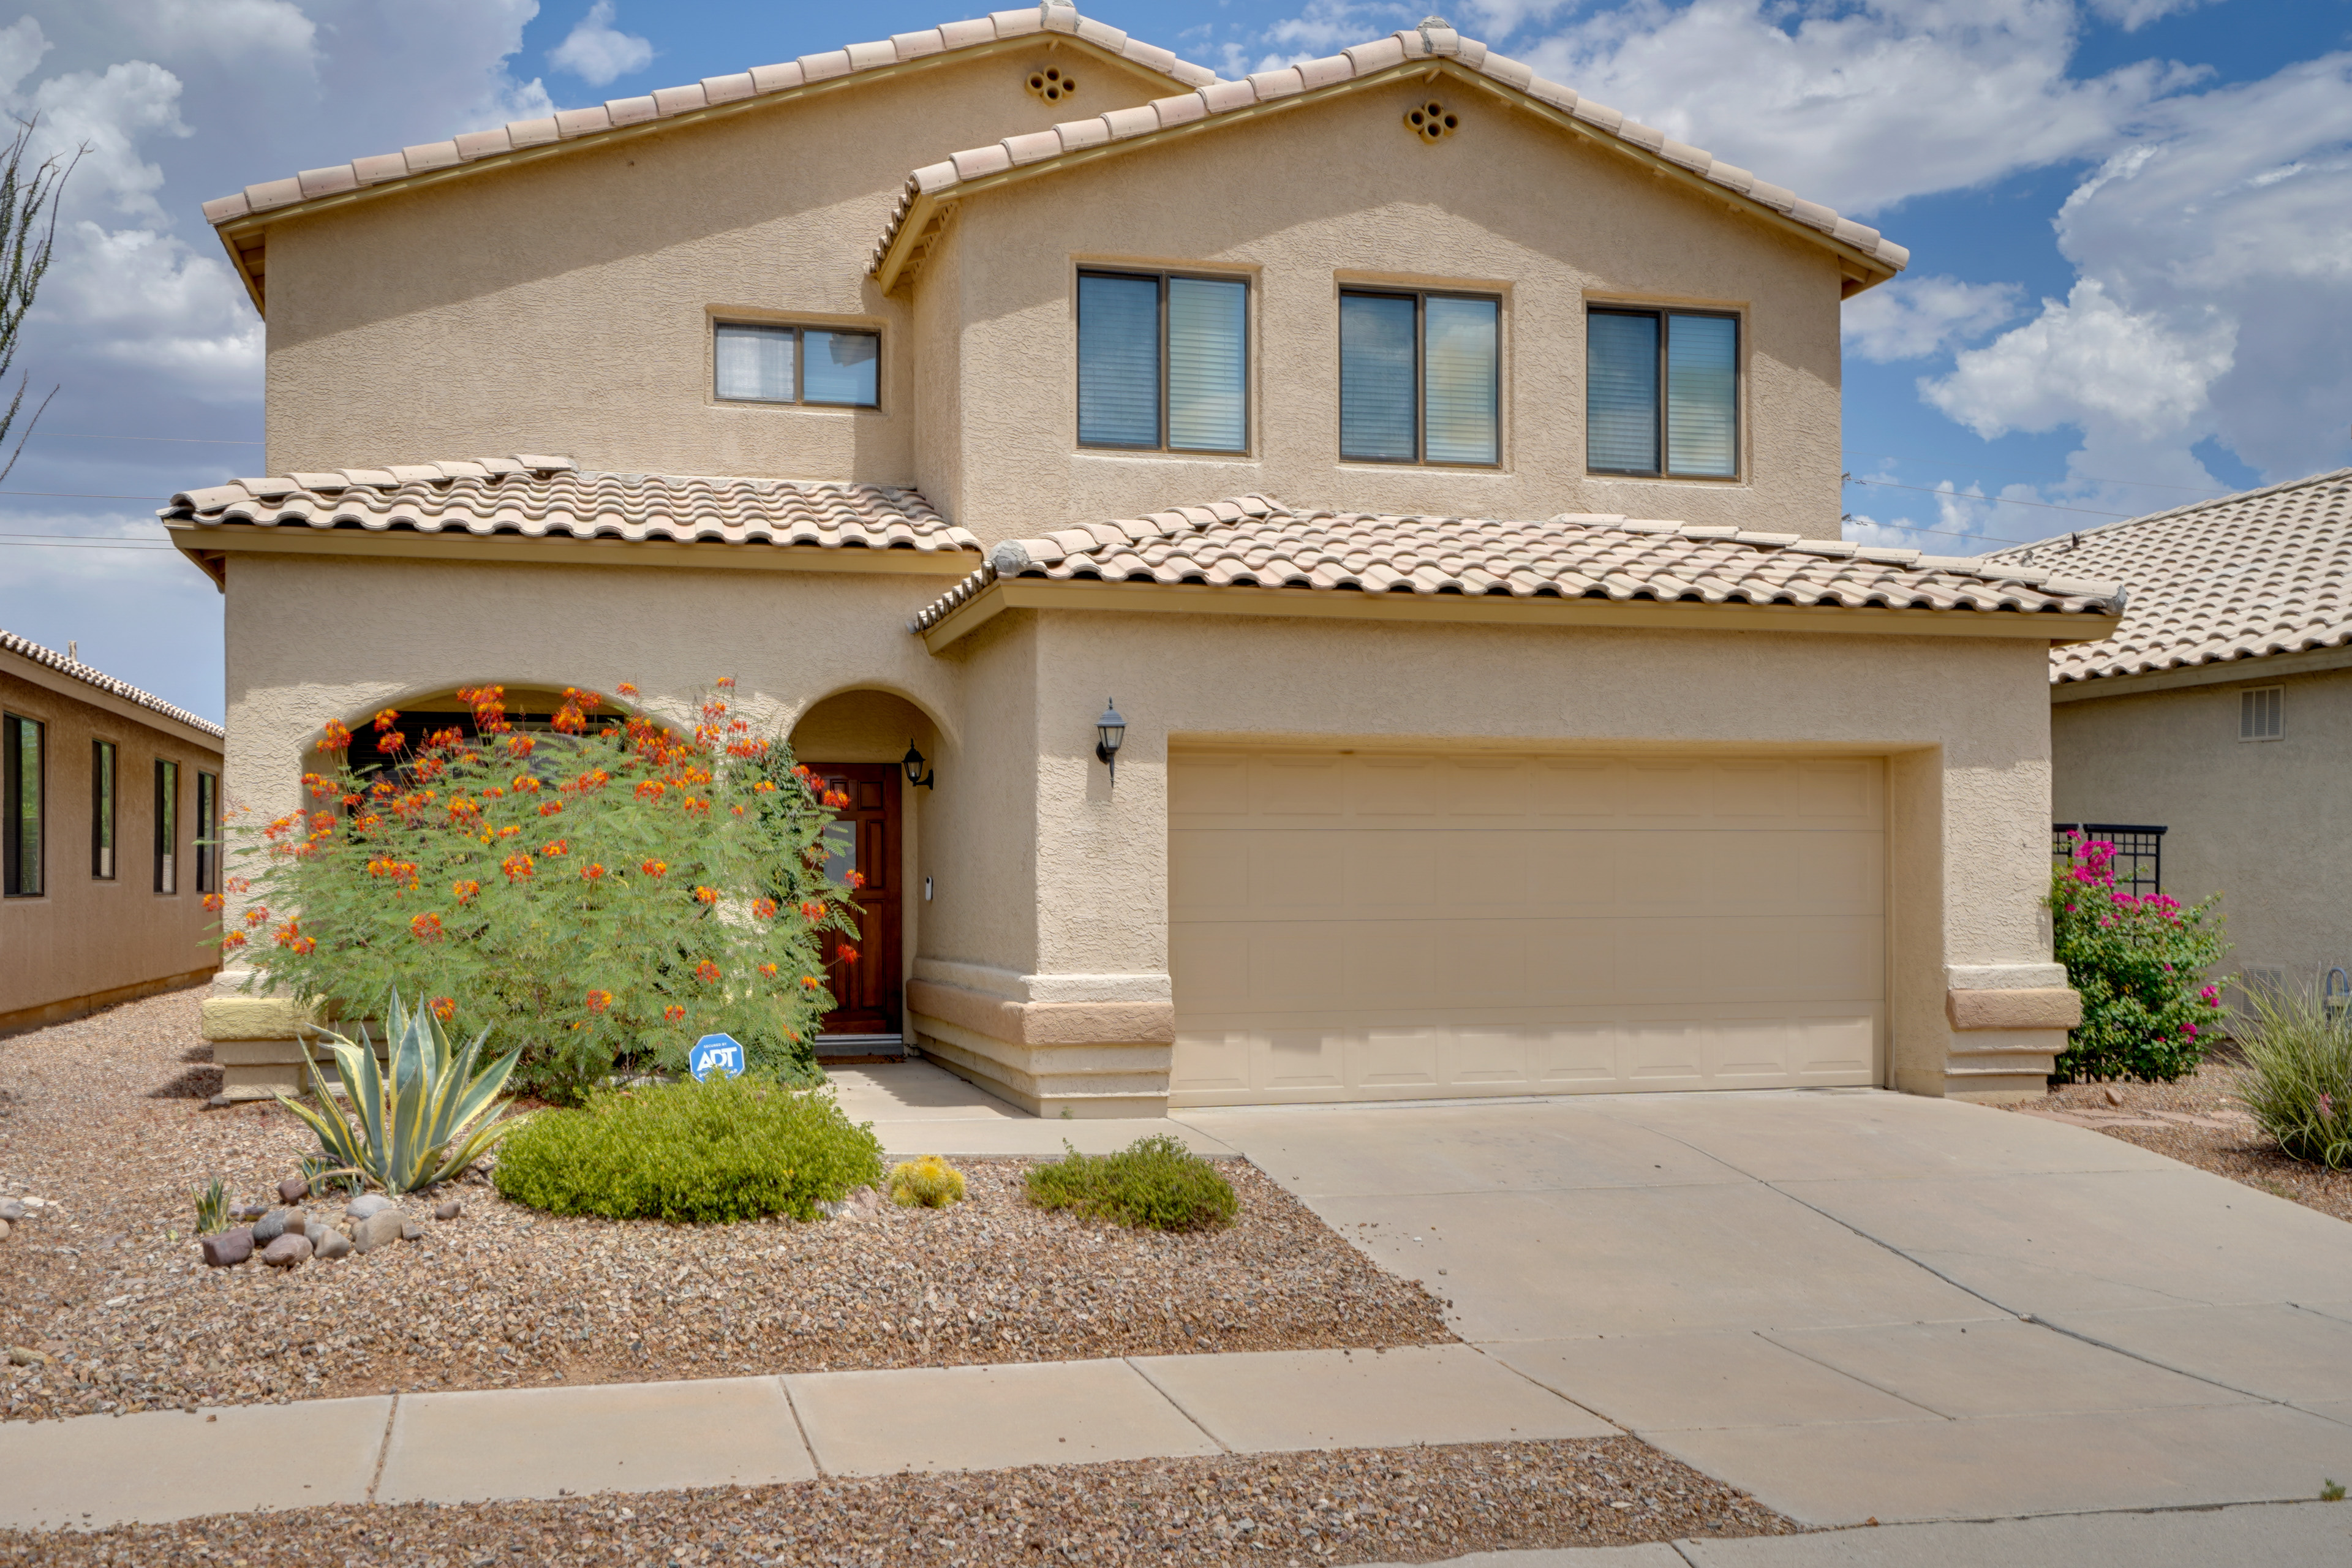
(539, 497)
(1212, 99)
(2239, 577)
(1265, 544)
(25, 648)
(710, 93)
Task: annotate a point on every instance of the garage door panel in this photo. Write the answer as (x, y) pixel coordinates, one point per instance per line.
(1402, 926)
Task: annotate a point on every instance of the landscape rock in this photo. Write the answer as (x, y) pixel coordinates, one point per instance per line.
(381, 1226)
(4, 1228)
(449, 1210)
(367, 1203)
(11, 1210)
(228, 1249)
(19, 1356)
(287, 1252)
(293, 1189)
(331, 1246)
(2114, 1095)
(271, 1227)
(412, 1231)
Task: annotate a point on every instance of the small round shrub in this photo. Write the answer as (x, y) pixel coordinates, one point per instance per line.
(929, 1183)
(731, 1149)
(1153, 1182)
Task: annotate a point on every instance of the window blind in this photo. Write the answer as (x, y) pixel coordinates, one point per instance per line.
(1208, 366)
(1118, 361)
(1460, 360)
(1375, 378)
(1701, 397)
(838, 367)
(755, 363)
(1621, 398)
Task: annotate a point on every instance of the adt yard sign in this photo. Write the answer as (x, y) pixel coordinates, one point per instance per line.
(716, 1053)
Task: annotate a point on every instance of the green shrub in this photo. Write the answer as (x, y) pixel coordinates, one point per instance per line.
(1154, 1181)
(929, 1183)
(731, 1149)
(2298, 1077)
(2139, 963)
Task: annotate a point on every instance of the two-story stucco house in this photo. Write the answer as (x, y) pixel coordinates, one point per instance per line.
(1437, 470)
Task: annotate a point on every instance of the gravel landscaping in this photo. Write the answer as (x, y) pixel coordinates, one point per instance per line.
(1353, 1506)
(2199, 1122)
(106, 1306)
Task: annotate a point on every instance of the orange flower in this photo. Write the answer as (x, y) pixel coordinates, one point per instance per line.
(323, 823)
(651, 789)
(626, 689)
(354, 799)
(673, 1013)
(654, 868)
(764, 907)
(444, 1008)
(212, 902)
(708, 895)
(526, 783)
(726, 682)
(336, 739)
(515, 867)
(857, 878)
(318, 787)
(428, 928)
(464, 891)
(509, 831)
(764, 787)
(695, 807)
(234, 939)
(849, 954)
(520, 745)
(769, 970)
(814, 912)
(736, 809)
(255, 915)
(808, 981)
(303, 944)
(387, 719)
(591, 871)
(550, 807)
(560, 846)
(289, 933)
(599, 1000)
(707, 972)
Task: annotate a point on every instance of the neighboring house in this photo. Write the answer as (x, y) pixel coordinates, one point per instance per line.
(2220, 711)
(1003, 338)
(110, 800)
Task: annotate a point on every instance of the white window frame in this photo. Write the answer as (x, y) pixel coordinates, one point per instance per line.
(2261, 714)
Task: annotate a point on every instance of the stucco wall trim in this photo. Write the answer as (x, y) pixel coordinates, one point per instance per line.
(207, 546)
(1495, 610)
(2225, 672)
(1045, 1023)
(2054, 1008)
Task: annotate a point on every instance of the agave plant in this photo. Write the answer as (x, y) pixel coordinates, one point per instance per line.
(413, 1120)
(211, 1208)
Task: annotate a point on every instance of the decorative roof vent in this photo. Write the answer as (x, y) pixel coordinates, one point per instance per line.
(1430, 120)
(1052, 84)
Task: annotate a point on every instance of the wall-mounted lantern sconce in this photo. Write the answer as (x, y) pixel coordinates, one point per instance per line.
(916, 778)
(1110, 733)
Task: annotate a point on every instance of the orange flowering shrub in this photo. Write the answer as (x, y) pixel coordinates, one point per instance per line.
(681, 922)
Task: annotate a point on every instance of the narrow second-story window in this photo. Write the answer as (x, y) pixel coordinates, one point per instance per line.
(1662, 394)
(24, 743)
(820, 365)
(1163, 363)
(2261, 714)
(208, 833)
(167, 826)
(1420, 378)
(101, 810)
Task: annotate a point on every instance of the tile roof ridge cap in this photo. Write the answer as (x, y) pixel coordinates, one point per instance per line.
(2257, 493)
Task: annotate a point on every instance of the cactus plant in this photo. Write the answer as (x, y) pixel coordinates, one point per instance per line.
(412, 1113)
(929, 1183)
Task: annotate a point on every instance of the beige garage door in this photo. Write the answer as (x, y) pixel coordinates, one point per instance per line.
(1363, 926)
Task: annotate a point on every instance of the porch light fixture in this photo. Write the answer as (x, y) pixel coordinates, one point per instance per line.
(916, 778)
(1110, 733)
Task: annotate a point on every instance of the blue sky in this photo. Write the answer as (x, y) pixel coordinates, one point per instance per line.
(2130, 224)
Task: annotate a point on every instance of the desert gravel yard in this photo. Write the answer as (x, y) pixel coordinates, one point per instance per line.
(105, 1303)
(1354, 1506)
(2199, 1122)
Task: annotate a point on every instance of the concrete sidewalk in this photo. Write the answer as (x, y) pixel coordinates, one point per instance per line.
(95, 1471)
(919, 1107)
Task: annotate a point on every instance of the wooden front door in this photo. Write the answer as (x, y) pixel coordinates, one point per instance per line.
(865, 837)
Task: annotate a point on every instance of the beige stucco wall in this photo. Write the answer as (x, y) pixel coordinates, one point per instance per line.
(564, 305)
(2266, 823)
(1339, 192)
(85, 942)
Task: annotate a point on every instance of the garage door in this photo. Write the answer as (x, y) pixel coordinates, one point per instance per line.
(1366, 926)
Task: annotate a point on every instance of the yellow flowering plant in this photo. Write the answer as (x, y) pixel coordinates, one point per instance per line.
(598, 893)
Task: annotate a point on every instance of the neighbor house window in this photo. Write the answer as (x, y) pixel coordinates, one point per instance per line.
(1163, 363)
(208, 825)
(1420, 378)
(167, 826)
(2262, 714)
(1662, 394)
(101, 810)
(819, 366)
(26, 742)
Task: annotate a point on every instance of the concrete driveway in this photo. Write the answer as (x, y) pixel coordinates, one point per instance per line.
(1857, 1304)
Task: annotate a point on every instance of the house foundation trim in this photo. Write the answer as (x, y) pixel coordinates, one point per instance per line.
(1052, 1059)
(2054, 1008)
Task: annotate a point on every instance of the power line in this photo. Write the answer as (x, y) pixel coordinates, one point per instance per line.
(1983, 500)
(191, 440)
(2012, 473)
(98, 495)
(116, 538)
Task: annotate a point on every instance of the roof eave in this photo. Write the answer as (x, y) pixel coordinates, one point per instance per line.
(1861, 269)
(209, 545)
(1002, 594)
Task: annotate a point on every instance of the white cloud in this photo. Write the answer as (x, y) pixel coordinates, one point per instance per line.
(2088, 359)
(2134, 15)
(597, 52)
(1912, 318)
(22, 45)
(105, 118)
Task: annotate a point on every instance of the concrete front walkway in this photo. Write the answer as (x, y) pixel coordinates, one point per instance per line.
(919, 1107)
(1861, 1305)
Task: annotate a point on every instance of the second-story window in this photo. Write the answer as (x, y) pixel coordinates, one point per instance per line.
(1163, 363)
(1420, 378)
(820, 365)
(1662, 394)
